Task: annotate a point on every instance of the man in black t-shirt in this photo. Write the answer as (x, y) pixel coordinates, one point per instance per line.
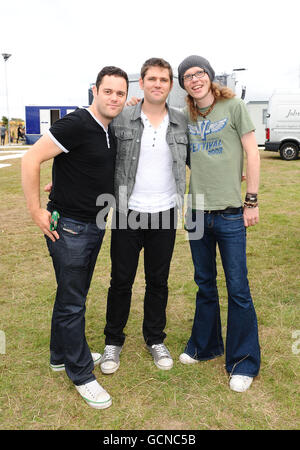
(84, 153)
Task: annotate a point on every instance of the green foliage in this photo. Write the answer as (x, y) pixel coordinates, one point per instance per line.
(4, 120)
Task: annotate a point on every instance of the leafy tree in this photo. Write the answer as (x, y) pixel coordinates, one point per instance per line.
(5, 121)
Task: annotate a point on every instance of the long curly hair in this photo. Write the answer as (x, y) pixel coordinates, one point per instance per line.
(219, 92)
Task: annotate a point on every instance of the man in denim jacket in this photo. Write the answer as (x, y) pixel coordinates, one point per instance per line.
(149, 188)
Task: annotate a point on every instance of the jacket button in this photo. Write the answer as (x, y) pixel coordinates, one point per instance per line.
(133, 157)
(137, 140)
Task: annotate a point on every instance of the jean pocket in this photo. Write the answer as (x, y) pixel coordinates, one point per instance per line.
(232, 217)
(71, 228)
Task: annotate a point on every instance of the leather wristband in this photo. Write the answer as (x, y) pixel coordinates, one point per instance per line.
(251, 198)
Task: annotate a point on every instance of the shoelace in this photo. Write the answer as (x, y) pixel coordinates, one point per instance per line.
(94, 389)
(110, 352)
(161, 351)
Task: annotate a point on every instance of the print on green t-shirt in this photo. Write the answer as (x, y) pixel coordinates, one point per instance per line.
(217, 154)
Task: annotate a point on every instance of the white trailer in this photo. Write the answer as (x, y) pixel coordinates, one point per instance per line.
(258, 113)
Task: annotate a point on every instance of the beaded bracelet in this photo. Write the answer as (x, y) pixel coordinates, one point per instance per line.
(250, 204)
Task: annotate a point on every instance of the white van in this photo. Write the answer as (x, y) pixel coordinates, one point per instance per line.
(283, 124)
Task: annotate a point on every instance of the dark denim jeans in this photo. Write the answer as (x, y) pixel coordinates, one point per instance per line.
(74, 257)
(126, 245)
(206, 342)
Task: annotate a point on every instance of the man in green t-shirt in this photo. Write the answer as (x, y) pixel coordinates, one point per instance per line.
(220, 131)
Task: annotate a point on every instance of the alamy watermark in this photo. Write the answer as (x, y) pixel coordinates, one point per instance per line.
(189, 214)
(2, 343)
(296, 343)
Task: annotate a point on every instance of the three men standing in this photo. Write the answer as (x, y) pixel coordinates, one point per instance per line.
(148, 172)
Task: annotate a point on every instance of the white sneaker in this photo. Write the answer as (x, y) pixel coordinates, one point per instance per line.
(60, 367)
(94, 395)
(184, 358)
(240, 383)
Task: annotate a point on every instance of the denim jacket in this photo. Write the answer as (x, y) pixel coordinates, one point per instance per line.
(128, 128)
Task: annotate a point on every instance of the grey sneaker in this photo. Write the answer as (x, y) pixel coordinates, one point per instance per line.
(161, 356)
(110, 360)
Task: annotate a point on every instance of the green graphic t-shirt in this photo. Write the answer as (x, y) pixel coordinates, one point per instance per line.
(217, 154)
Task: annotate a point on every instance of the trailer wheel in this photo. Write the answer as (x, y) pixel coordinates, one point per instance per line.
(289, 151)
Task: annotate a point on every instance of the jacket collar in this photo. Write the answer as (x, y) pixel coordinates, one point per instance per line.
(137, 109)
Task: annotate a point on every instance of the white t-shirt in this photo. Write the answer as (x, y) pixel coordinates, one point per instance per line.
(155, 188)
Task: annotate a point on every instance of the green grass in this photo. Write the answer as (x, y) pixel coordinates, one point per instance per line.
(185, 398)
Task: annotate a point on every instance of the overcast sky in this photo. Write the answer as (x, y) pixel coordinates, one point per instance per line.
(59, 46)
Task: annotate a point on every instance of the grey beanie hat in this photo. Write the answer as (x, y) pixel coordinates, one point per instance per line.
(194, 61)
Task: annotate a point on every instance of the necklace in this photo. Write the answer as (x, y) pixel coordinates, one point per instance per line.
(204, 114)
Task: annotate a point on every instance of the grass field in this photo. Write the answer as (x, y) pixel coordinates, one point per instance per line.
(32, 397)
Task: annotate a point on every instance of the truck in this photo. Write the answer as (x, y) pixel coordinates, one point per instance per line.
(283, 124)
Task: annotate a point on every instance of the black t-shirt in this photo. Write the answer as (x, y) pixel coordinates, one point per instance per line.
(86, 167)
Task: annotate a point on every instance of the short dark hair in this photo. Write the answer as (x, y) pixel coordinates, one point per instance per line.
(156, 62)
(111, 70)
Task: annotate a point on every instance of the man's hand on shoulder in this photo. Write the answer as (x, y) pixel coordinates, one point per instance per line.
(48, 187)
(133, 101)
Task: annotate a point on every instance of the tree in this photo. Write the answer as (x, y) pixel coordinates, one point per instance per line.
(5, 121)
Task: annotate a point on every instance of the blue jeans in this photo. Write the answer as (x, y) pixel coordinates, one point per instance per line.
(74, 257)
(206, 342)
